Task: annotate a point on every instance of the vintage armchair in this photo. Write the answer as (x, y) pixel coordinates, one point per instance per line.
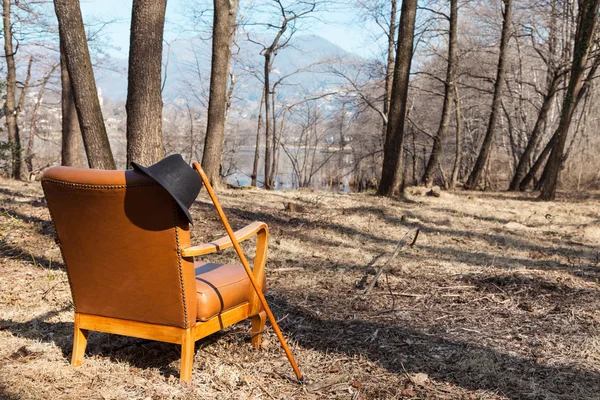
(130, 264)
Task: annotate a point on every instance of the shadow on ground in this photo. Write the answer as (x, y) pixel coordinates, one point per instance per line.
(139, 353)
(399, 349)
(402, 349)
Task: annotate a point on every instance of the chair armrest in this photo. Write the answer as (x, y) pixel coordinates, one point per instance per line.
(224, 242)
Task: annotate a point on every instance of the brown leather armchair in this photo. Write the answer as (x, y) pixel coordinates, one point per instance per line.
(131, 268)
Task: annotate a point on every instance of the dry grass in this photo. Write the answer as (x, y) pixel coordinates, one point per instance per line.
(499, 299)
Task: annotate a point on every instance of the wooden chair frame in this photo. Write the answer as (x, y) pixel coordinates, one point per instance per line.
(186, 337)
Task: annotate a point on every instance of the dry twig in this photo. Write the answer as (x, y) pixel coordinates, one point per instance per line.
(399, 247)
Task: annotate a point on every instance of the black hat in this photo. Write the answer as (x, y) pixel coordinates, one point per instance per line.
(177, 177)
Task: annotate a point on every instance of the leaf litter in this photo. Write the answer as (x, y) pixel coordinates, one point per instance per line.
(498, 299)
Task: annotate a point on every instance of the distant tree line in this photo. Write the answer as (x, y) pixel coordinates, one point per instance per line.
(513, 80)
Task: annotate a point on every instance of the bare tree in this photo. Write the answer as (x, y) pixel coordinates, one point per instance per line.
(144, 95)
(285, 29)
(587, 20)
(541, 159)
(459, 138)
(449, 88)
(486, 147)
(389, 70)
(257, 148)
(521, 169)
(10, 105)
(375, 10)
(29, 154)
(79, 65)
(391, 176)
(224, 27)
(305, 153)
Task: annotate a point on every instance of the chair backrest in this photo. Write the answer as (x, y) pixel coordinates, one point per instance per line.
(121, 236)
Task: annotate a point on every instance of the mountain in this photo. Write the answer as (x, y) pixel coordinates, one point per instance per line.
(189, 60)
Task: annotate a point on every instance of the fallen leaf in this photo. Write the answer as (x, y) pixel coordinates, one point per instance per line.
(419, 379)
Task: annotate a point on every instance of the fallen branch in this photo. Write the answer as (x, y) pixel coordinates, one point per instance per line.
(402, 294)
(318, 386)
(399, 247)
(288, 269)
(362, 283)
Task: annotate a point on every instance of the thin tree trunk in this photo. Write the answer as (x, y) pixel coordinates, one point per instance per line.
(389, 71)
(414, 158)
(224, 23)
(267, 89)
(536, 133)
(33, 125)
(512, 149)
(274, 143)
(144, 77)
(10, 105)
(278, 145)
(436, 152)
(72, 142)
(257, 149)
(191, 140)
(73, 37)
(459, 138)
(229, 94)
(586, 26)
(23, 93)
(486, 147)
(392, 173)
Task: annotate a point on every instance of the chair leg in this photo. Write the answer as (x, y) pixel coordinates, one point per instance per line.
(79, 343)
(187, 356)
(258, 326)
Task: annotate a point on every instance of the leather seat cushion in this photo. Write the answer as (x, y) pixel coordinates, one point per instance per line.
(219, 288)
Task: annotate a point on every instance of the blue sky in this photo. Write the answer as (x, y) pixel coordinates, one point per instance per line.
(338, 27)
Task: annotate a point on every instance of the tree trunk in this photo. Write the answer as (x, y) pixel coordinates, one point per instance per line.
(267, 90)
(274, 154)
(33, 125)
(436, 152)
(224, 22)
(10, 105)
(79, 65)
(486, 147)
(586, 27)
(536, 133)
(24, 88)
(459, 138)
(389, 71)
(391, 176)
(144, 99)
(72, 143)
(257, 149)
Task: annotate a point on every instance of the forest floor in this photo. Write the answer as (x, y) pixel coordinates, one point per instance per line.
(499, 298)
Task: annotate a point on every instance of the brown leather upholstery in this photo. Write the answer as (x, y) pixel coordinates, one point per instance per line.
(220, 288)
(121, 237)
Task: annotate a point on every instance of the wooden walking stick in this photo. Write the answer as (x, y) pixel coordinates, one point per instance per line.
(242, 257)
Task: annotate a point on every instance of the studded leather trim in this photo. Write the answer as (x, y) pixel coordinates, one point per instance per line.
(175, 218)
(84, 186)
